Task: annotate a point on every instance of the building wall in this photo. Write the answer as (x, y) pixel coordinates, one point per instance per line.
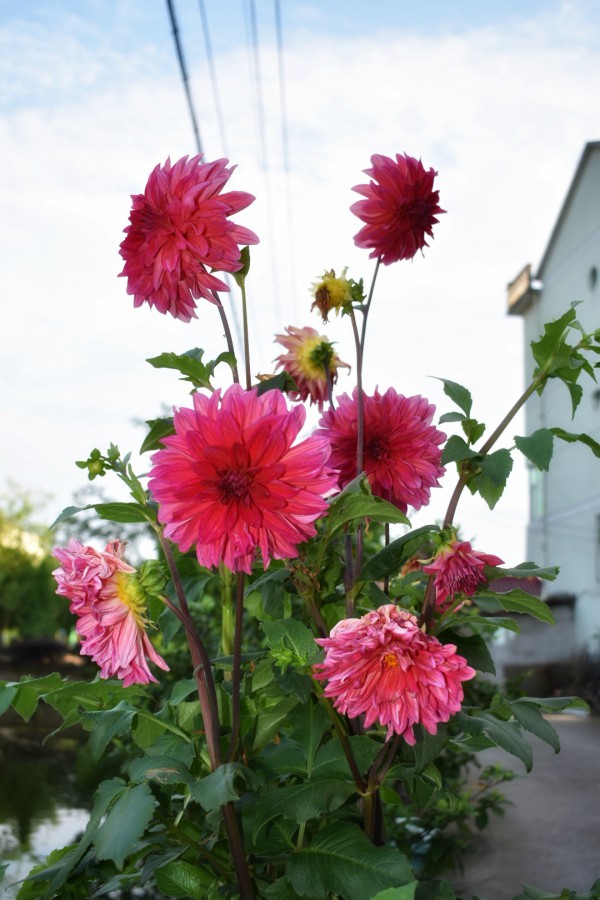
(564, 526)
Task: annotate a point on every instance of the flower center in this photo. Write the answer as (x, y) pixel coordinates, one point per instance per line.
(131, 594)
(376, 449)
(389, 661)
(234, 484)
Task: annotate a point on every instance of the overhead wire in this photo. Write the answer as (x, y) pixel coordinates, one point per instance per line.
(184, 74)
(213, 76)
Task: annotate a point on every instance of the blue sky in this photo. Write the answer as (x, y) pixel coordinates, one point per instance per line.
(498, 97)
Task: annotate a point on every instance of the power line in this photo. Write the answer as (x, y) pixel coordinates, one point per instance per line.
(184, 75)
(213, 76)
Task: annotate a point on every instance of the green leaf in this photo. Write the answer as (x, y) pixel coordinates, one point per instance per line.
(473, 648)
(106, 724)
(67, 513)
(520, 602)
(558, 704)
(291, 641)
(527, 570)
(8, 691)
(451, 417)
(428, 746)
(240, 276)
(437, 890)
(223, 785)
(189, 364)
(127, 819)
(264, 725)
(504, 734)
(283, 382)
(124, 512)
(181, 879)
(537, 447)
(458, 394)
(530, 718)
(406, 892)
(159, 428)
(581, 438)
(353, 508)
(309, 722)
(331, 762)
(497, 467)
(29, 691)
(473, 430)
(456, 449)
(393, 556)
(342, 860)
(302, 802)
(549, 344)
(163, 769)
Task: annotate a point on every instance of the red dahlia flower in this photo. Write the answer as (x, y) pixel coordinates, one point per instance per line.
(308, 354)
(401, 447)
(400, 208)
(109, 602)
(231, 483)
(385, 667)
(458, 569)
(179, 229)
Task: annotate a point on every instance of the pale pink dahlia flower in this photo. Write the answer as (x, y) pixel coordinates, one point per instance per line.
(400, 208)
(384, 667)
(308, 355)
(401, 447)
(458, 569)
(179, 229)
(229, 482)
(109, 602)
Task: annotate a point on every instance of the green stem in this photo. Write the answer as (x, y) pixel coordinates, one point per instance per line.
(246, 338)
(236, 678)
(360, 410)
(227, 332)
(236, 849)
(228, 611)
(343, 739)
(367, 305)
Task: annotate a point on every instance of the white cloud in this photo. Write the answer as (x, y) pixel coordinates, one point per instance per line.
(502, 115)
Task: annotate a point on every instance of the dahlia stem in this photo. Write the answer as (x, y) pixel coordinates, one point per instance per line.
(246, 336)
(203, 676)
(227, 615)
(386, 541)
(367, 305)
(236, 849)
(228, 337)
(360, 417)
(237, 670)
(343, 739)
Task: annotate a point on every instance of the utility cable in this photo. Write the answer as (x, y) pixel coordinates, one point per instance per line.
(184, 75)
(213, 76)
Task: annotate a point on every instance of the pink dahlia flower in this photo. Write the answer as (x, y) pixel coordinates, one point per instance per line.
(309, 353)
(109, 602)
(401, 447)
(230, 482)
(400, 208)
(458, 569)
(384, 667)
(179, 229)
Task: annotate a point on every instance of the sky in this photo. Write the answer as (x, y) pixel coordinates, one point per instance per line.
(499, 98)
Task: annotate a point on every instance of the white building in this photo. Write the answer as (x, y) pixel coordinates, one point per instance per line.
(564, 518)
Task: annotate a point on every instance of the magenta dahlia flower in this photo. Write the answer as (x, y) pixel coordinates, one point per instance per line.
(458, 569)
(229, 482)
(400, 208)
(384, 667)
(401, 447)
(179, 229)
(308, 353)
(109, 602)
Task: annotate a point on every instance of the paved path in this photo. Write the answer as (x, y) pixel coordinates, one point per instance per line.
(550, 838)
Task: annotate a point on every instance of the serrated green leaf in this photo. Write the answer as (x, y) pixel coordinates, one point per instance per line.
(528, 570)
(163, 769)
(473, 430)
(8, 691)
(67, 513)
(106, 724)
(301, 802)
(497, 466)
(223, 785)
(481, 484)
(537, 447)
(308, 723)
(159, 429)
(341, 859)
(558, 704)
(474, 649)
(353, 507)
(29, 691)
(458, 394)
(263, 726)
(581, 438)
(331, 762)
(549, 344)
(456, 449)
(189, 364)
(292, 635)
(181, 879)
(451, 417)
(127, 819)
(283, 382)
(391, 557)
(428, 746)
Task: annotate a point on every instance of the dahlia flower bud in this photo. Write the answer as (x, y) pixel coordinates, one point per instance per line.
(458, 569)
(311, 361)
(332, 293)
(152, 577)
(384, 667)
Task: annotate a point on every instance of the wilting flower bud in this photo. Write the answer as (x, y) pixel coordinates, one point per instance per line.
(332, 293)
